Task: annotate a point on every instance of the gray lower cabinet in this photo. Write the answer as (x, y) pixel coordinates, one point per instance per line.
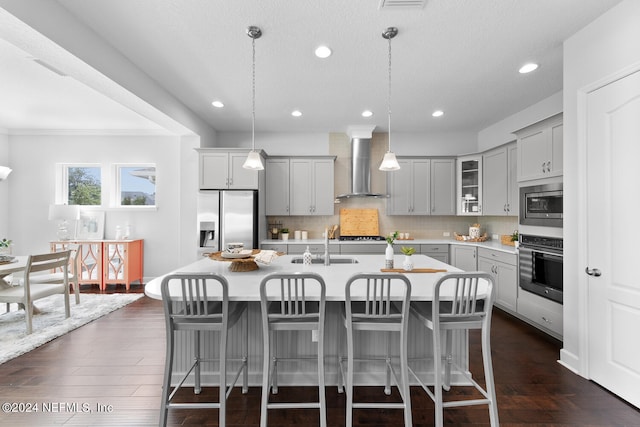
(439, 252)
(541, 312)
(364, 248)
(464, 257)
(315, 249)
(504, 269)
(278, 247)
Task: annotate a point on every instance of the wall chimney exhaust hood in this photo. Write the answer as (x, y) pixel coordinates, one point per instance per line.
(360, 165)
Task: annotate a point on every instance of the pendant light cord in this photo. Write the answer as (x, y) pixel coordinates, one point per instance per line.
(389, 96)
(253, 96)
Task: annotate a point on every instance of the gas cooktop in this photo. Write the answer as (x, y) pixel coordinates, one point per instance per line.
(362, 238)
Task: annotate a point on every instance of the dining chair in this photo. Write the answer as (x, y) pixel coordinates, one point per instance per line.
(74, 275)
(199, 303)
(291, 302)
(379, 304)
(462, 301)
(28, 292)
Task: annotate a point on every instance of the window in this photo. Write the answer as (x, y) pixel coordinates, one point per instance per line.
(83, 185)
(115, 186)
(136, 185)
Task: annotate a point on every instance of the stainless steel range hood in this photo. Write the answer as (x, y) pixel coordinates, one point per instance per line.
(361, 170)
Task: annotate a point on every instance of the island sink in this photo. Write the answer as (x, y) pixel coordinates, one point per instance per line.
(298, 260)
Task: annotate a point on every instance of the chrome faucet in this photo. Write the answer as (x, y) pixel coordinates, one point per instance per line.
(327, 260)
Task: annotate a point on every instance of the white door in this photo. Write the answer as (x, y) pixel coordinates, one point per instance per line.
(613, 154)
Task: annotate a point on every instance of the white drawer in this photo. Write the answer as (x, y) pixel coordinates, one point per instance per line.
(541, 311)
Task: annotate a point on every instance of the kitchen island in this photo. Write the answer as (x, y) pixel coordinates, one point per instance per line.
(244, 286)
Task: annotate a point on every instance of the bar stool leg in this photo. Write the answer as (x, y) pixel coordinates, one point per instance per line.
(321, 390)
(196, 348)
(488, 373)
(437, 374)
(266, 370)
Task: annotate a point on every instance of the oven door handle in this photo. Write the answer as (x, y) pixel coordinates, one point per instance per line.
(528, 249)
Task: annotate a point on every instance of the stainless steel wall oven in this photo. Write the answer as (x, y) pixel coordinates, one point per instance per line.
(540, 262)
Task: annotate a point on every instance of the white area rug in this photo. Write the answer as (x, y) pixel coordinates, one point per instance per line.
(51, 323)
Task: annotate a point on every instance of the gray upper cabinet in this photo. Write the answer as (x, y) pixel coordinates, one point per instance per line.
(409, 188)
(422, 186)
(540, 149)
(499, 181)
(300, 186)
(277, 200)
(443, 186)
(469, 190)
(222, 170)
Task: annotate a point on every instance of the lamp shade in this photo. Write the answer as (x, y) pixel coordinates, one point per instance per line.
(389, 162)
(4, 172)
(253, 161)
(64, 212)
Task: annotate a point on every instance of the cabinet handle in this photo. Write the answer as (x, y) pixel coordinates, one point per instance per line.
(549, 166)
(593, 272)
(544, 167)
(231, 181)
(546, 320)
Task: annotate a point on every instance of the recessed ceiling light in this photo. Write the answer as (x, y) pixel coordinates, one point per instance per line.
(437, 113)
(296, 113)
(367, 113)
(323, 52)
(527, 68)
(217, 104)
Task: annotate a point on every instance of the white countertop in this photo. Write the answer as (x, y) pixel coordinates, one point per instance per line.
(490, 244)
(244, 286)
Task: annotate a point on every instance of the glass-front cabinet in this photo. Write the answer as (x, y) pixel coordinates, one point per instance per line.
(469, 192)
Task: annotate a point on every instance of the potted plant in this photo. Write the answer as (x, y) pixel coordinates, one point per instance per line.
(408, 262)
(5, 246)
(515, 238)
(388, 253)
(284, 233)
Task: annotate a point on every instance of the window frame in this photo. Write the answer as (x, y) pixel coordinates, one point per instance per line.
(62, 182)
(116, 200)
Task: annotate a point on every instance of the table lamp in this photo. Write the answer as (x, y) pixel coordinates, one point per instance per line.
(64, 214)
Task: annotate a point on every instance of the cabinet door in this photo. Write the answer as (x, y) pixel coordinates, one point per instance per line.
(470, 185)
(464, 257)
(507, 283)
(399, 189)
(555, 168)
(443, 190)
(214, 171)
(421, 187)
(513, 195)
(323, 188)
(494, 182)
(277, 187)
(239, 177)
(300, 191)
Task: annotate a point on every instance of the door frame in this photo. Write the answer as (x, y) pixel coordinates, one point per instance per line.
(582, 258)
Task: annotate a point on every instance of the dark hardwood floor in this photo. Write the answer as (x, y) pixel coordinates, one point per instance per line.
(114, 365)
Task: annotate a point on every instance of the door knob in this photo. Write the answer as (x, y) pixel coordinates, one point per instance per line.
(593, 272)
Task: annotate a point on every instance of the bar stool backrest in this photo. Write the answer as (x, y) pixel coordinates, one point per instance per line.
(193, 299)
(300, 295)
(463, 299)
(375, 296)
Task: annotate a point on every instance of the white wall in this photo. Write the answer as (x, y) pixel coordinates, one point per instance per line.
(595, 54)
(403, 144)
(502, 132)
(4, 187)
(32, 186)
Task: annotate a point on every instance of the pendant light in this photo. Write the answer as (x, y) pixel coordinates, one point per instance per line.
(253, 159)
(389, 162)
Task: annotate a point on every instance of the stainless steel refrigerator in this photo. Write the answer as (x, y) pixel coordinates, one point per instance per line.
(227, 216)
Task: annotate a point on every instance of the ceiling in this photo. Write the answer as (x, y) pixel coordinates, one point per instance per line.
(460, 56)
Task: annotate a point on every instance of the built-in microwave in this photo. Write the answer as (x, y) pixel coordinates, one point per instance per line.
(541, 205)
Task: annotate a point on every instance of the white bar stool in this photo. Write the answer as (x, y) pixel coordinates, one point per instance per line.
(291, 302)
(199, 302)
(378, 302)
(462, 301)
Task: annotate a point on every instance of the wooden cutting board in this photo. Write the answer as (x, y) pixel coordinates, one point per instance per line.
(359, 222)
